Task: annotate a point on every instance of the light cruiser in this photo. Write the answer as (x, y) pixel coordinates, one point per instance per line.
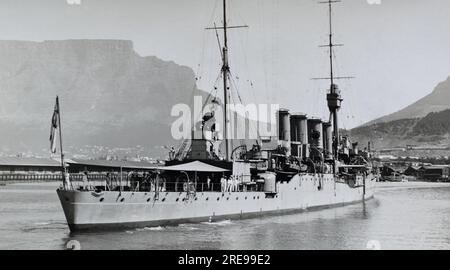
(308, 166)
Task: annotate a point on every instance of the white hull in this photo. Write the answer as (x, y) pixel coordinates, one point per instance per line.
(90, 211)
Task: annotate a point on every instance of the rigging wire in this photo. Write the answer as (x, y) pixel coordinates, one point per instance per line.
(233, 83)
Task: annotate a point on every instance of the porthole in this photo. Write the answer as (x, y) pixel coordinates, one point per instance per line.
(101, 199)
(228, 198)
(122, 199)
(148, 199)
(207, 198)
(218, 198)
(163, 199)
(258, 197)
(177, 199)
(237, 198)
(246, 197)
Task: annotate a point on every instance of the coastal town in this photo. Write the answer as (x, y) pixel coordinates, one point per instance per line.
(393, 165)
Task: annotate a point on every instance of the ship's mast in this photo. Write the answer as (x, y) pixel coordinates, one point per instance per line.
(225, 75)
(334, 99)
(330, 44)
(225, 72)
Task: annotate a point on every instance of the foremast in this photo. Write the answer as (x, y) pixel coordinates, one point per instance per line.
(225, 74)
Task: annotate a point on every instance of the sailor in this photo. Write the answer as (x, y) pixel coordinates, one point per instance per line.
(208, 182)
(230, 184)
(66, 180)
(236, 183)
(85, 181)
(273, 163)
(108, 182)
(152, 184)
(233, 183)
(223, 184)
(172, 153)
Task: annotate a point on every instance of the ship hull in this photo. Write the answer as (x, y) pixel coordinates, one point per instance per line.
(90, 211)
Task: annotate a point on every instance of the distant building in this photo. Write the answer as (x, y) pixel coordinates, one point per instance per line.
(436, 173)
(29, 169)
(388, 173)
(412, 171)
(78, 165)
(41, 169)
(387, 157)
(18, 165)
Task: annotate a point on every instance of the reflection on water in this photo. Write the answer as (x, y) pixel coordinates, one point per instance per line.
(402, 216)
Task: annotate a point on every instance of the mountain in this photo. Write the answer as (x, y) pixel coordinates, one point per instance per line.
(436, 101)
(431, 130)
(424, 123)
(109, 94)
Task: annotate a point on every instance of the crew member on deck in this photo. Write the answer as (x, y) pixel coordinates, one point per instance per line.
(85, 181)
(208, 183)
(223, 184)
(230, 184)
(66, 179)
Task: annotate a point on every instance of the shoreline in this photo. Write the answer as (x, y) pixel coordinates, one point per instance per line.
(412, 184)
(380, 185)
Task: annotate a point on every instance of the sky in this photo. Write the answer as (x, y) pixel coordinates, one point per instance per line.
(397, 50)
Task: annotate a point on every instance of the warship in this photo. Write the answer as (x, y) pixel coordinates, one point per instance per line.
(308, 165)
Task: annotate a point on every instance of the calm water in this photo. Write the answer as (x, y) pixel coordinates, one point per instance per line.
(403, 216)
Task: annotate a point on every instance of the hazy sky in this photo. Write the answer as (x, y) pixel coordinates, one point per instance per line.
(398, 50)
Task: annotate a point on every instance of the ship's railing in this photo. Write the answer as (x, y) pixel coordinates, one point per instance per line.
(30, 177)
(47, 177)
(163, 186)
(212, 187)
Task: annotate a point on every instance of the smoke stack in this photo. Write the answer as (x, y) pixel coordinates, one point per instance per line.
(328, 139)
(299, 128)
(299, 134)
(284, 129)
(315, 130)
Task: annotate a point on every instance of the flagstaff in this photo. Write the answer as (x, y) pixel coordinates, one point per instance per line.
(60, 137)
(56, 125)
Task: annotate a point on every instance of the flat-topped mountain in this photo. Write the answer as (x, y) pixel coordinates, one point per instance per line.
(109, 94)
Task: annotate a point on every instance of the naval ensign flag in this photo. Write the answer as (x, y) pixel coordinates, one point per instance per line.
(54, 127)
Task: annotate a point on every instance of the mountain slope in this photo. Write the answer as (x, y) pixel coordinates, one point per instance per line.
(436, 101)
(109, 94)
(433, 129)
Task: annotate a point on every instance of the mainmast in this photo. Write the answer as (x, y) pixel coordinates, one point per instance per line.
(334, 98)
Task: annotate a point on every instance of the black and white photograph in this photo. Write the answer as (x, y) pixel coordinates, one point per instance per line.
(224, 125)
